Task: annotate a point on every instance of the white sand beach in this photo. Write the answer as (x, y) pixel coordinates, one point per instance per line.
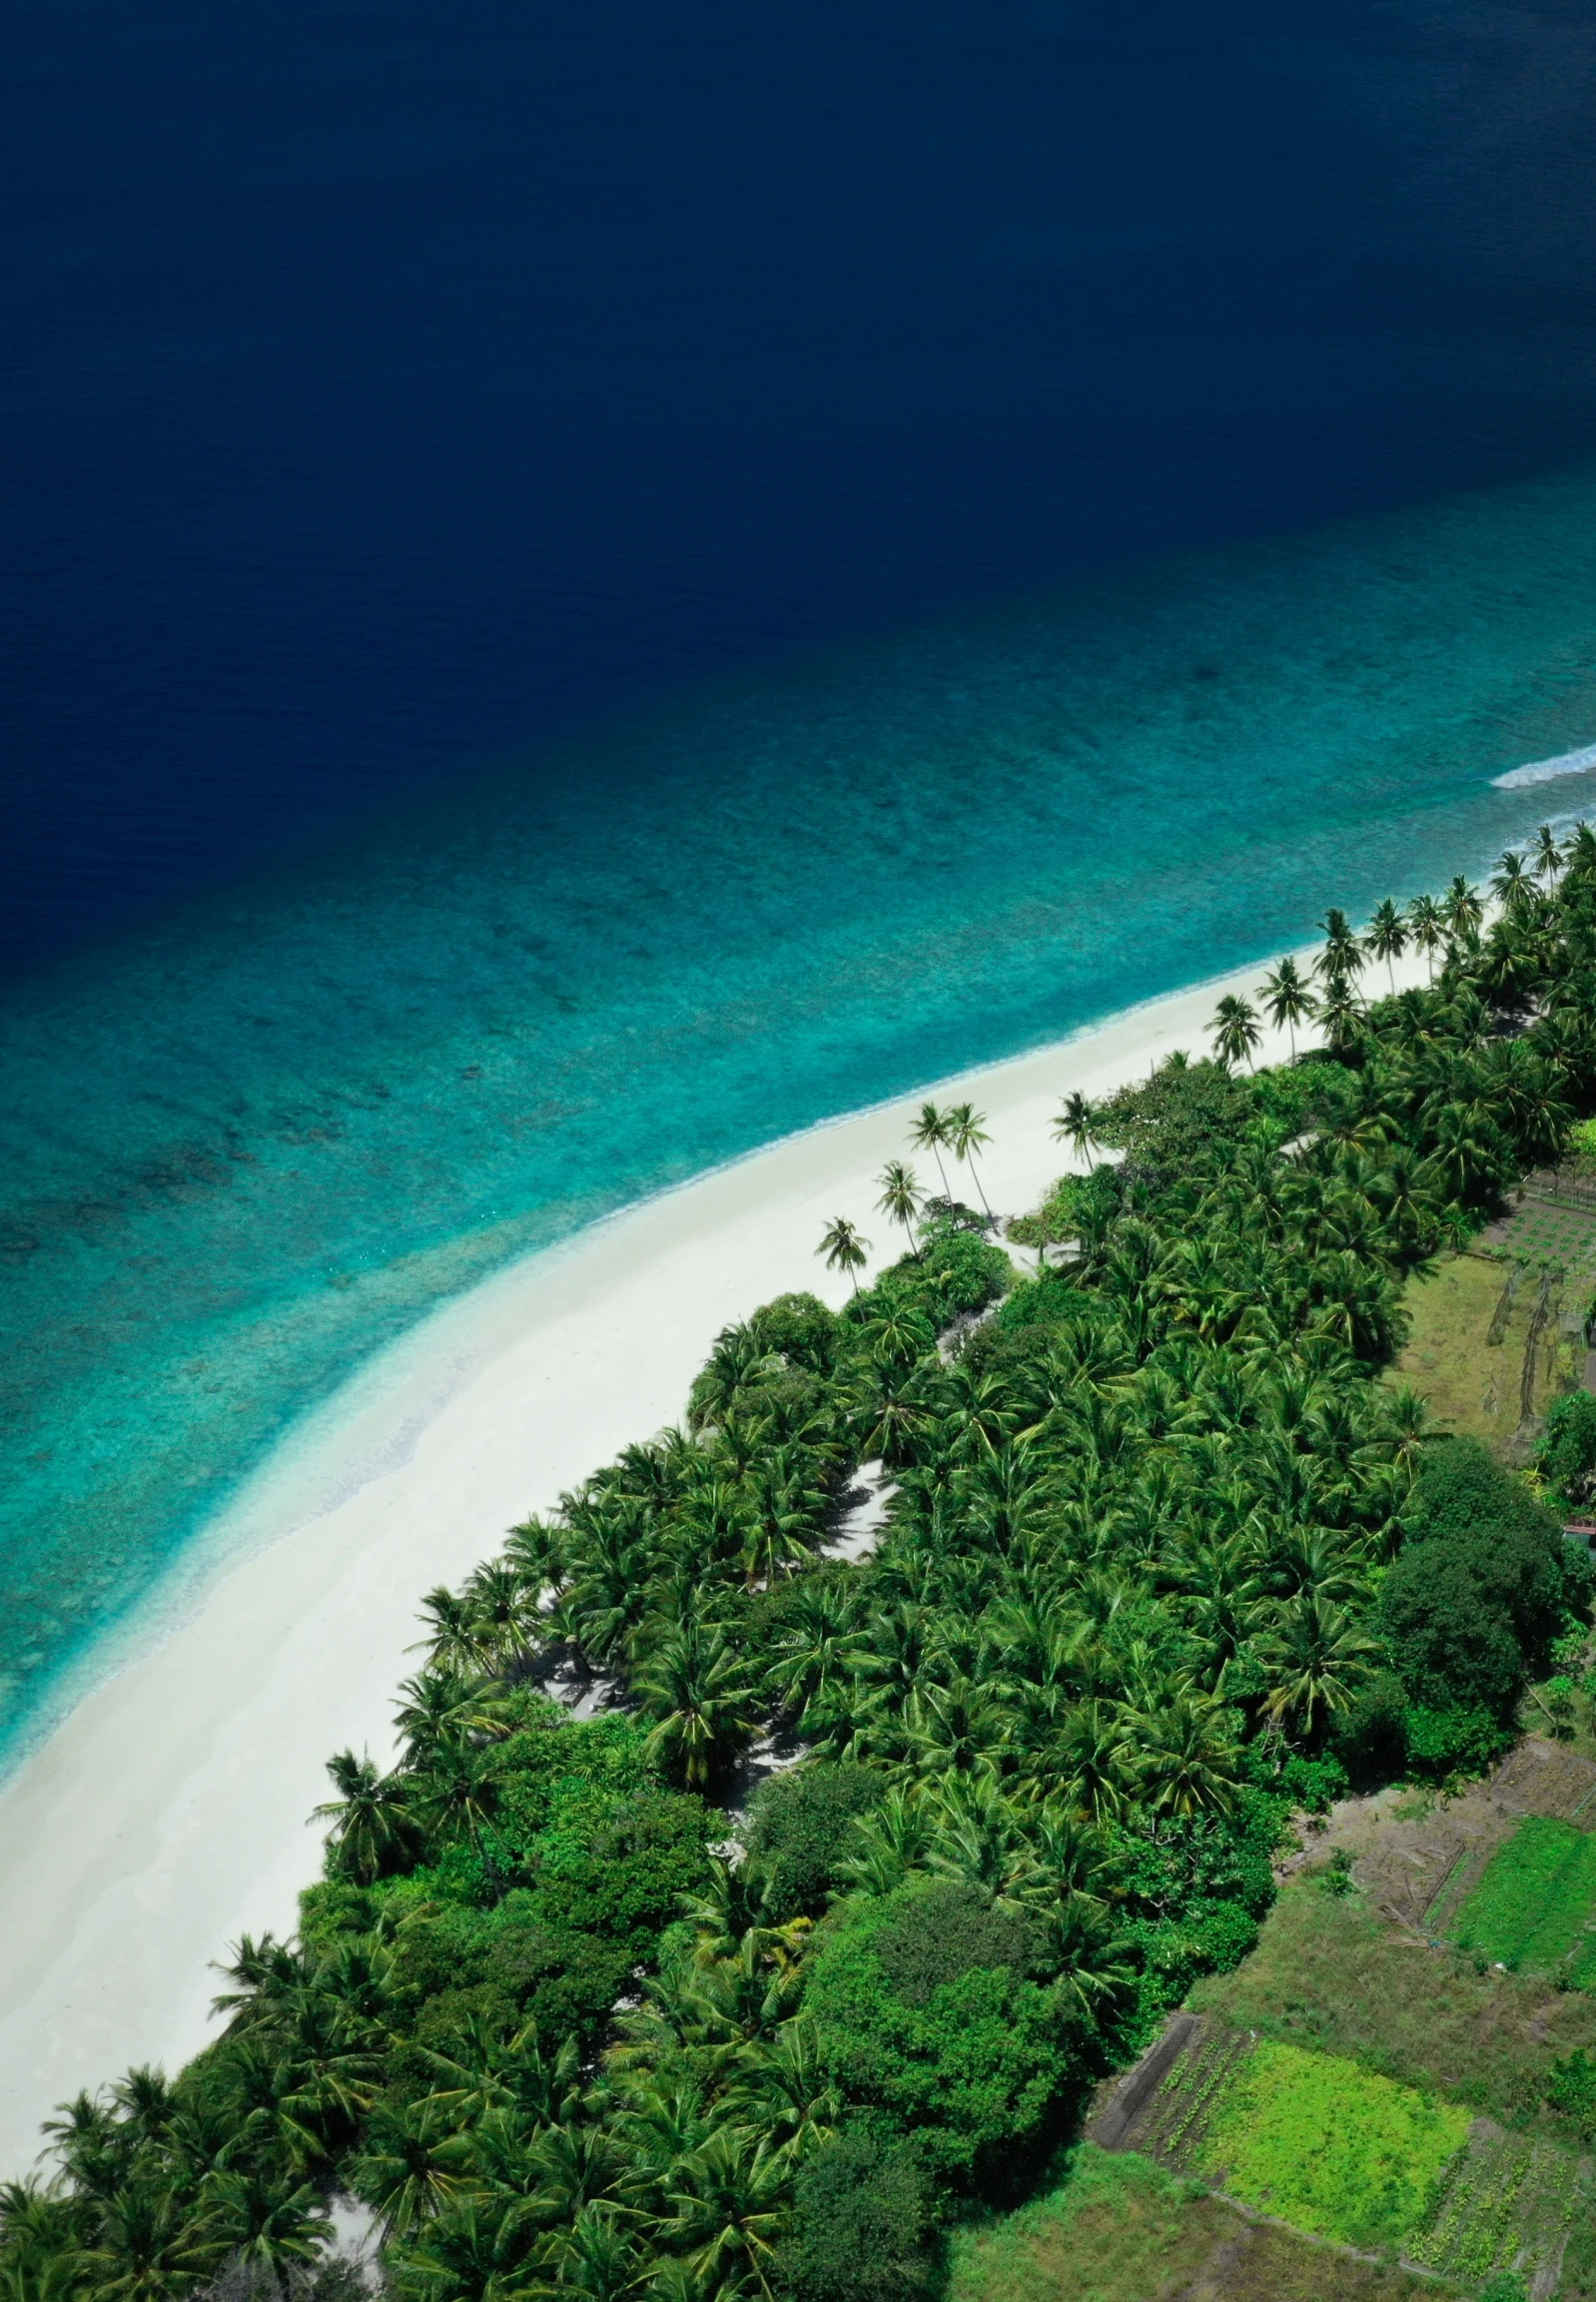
(167, 1812)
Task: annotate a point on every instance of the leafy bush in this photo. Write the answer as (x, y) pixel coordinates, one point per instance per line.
(925, 2015)
(799, 1824)
(1176, 1118)
(1481, 1588)
(862, 2220)
(1461, 1739)
(1312, 1784)
(802, 1330)
(1567, 1453)
(1572, 2089)
(1194, 1898)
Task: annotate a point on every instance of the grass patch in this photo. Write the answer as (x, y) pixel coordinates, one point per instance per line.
(1330, 2147)
(1330, 1975)
(1532, 1908)
(1119, 2229)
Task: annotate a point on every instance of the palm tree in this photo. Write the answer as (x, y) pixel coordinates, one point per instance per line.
(930, 1132)
(439, 1704)
(1184, 1757)
(1340, 1014)
(1075, 1125)
(1235, 1028)
(411, 2161)
(1461, 909)
(457, 1794)
(1426, 925)
(1511, 883)
(453, 1640)
(966, 1136)
(844, 1249)
(1316, 1660)
(1342, 954)
(268, 2222)
(147, 2249)
(728, 2203)
(901, 1199)
(1387, 938)
(1287, 999)
(701, 1699)
(1548, 855)
(371, 1819)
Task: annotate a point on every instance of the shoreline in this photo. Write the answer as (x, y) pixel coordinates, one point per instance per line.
(165, 1812)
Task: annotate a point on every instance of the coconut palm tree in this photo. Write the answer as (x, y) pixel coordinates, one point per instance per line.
(1316, 1659)
(930, 1132)
(412, 2159)
(1075, 1125)
(1184, 1757)
(700, 1695)
(1235, 1029)
(844, 1248)
(967, 1136)
(1549, 854)
(1461, 909)
(1339, 1013)
(1342, 954)
(901, 1199)
(1511, 882)
(372, 1821)
(1287, 999)
(452, 1639)
(1387, 938)
(1426, 925)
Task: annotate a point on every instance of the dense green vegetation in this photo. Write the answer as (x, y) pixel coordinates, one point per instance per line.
(1535, 1902)
(1332, 2148)
(1164, 1560)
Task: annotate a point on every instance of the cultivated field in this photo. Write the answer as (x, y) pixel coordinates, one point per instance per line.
(1487, 1348)
(1341, 2152)
(1123, 2229)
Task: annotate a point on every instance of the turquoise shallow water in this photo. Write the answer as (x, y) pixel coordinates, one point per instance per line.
(244, 1150)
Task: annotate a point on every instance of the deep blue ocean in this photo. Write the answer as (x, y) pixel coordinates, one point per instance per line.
(581, 586)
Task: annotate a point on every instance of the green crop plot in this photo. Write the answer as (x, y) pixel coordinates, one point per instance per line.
(1330, 2147)
(1506, 2202)
(1534, 1907)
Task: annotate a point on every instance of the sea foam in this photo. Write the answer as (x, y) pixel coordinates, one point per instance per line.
(1548, 770)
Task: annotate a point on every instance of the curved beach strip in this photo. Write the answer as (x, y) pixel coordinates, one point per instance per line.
(167, 1813)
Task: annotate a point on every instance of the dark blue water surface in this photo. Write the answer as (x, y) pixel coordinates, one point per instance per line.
(388, 382)
(585, 584)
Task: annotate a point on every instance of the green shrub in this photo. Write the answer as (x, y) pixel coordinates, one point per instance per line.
(862, 2220)
(925, 2015)
(1572, 2089)
(1313, 1784)
(1178, 1119)
(1460, 1739)
(1371, 1734)
(1567, 1451)
(801, 1822)
(802, 1330)
(1481, 1588)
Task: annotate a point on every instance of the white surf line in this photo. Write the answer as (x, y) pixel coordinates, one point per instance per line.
(1547, 770)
